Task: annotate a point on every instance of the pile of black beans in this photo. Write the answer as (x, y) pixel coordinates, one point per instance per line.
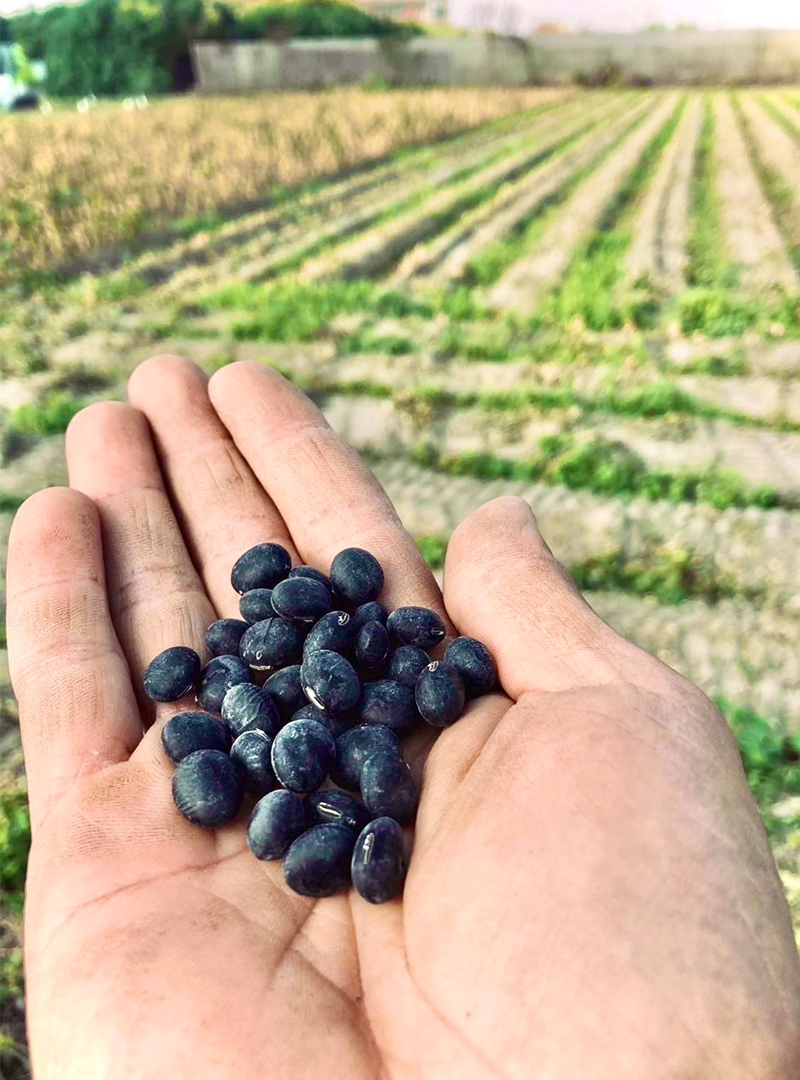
(314, 686)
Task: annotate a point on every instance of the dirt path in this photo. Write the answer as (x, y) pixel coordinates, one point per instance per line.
(528, 280)
(752, 237)
(661, 228)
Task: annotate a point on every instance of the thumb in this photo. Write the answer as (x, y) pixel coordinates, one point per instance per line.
(503, 586)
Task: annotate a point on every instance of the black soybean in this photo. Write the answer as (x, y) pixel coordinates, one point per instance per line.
(286, 690)
(252, 753)
(416, 626)
(406, 663)
(334, 632)
(276, 820)
(224, 635)
(372, 611)
(379, 864)
(372, 645)
(359, 743)
(303, 754)
(336, 725)
(329, 681)
(272, 643)
(187, 732)
(439, 694)
(318, 862)
(256, 605)
(389, 703)
(261, 567)
(301, 598)
(313, 573)
(208, 788)
(338, 808)
(357, 575)
(388, 788)
(173, 673)
(216, 679)
(248, 707)
(474, 663)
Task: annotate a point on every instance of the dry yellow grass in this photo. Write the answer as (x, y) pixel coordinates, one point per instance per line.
(71, 184)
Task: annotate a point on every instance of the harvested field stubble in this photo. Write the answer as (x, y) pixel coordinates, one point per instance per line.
(74, 183)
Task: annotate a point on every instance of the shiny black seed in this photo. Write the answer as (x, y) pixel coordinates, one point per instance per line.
(406, 663)
(379, 863)
(416, 626)
(359, 743)
(256, 605)
(189, 731)
(276, 820)
(248, 707)
(474, 663)
(334, 632)
(388, 788)
(262, 567)
(252, 753)
(173, 673)
(216, 679)
(224, 635)
(336, 725)
(301, 598)
(208, 788)
(372, 645)
(389, 703)
(272, 643)
(357, 575)
(439, 694)
(372, 611)
(338, 808)
(329, 681)
(318, 862)
(313, 573)
(286, 690)
(303, 754)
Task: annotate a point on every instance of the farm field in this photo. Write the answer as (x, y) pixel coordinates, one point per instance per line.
(593, 303)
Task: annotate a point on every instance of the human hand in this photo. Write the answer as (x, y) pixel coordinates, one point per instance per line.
(591, 893)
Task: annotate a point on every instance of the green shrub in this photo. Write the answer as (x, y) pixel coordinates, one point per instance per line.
(15, 842)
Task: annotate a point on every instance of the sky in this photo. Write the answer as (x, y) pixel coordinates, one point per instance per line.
(598, 14)
(631, 14)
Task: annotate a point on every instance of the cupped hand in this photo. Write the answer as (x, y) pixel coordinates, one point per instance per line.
(591, 894)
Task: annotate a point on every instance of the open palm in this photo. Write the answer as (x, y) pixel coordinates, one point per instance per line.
(591, 893)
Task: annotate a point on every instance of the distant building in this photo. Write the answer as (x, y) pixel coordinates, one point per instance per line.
(548, 29)
(424, 12)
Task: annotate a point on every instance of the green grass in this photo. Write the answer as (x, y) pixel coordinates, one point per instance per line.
(367, 340)
(708, 268)
(770, 761)
(15, 839)
(433, 550)
(10, 503)
(606, 468)
(654, 400)
(50, 416)
(591, 288)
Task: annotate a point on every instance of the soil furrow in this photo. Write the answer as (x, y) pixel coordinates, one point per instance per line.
(526, 281)
(753, 240)
(661, 228)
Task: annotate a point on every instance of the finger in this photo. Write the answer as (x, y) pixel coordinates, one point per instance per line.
(326, 495)
(156, 596)
(503, 586)
(221, 507)
(77, 711)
